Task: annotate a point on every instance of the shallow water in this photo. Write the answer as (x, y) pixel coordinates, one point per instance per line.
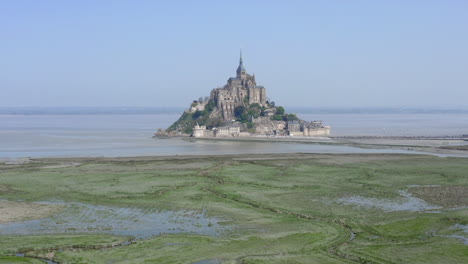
(44, 260)
(139, 223)
(406, 202)
(459, 237)
(434, 124)
(463, 238)
(131, 135)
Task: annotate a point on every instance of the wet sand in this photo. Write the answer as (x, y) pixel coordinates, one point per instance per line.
(444, 146)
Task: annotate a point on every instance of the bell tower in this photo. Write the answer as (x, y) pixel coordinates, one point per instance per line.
(241, 70)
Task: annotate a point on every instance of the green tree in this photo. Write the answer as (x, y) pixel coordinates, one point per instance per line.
(197, 114)
(290, 117)
(213, 122)
(244, 117)
(255, 110)
(238, 111)
(280, 110)
(210, 106)
(278, 117)
(188, 130)
(255, 105)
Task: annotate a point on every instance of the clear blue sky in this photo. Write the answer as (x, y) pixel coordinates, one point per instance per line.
(167, 53)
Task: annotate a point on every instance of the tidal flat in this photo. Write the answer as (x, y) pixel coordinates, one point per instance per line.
(254, 208)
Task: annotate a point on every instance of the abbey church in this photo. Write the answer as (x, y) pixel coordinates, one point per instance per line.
(238, 91)
(240, 109)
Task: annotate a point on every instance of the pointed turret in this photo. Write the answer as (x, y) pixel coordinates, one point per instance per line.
(241, 70)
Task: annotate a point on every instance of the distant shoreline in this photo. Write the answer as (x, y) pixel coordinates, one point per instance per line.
(122, 110)
(428, 145)
(323, 139)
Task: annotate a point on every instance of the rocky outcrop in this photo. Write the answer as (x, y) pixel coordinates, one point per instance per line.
(240, 108)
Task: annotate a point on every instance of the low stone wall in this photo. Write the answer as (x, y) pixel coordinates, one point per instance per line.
(315, 132)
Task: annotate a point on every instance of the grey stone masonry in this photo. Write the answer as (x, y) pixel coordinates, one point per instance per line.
(239, 91)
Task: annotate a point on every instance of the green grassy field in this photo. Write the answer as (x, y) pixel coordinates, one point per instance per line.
(276, 208)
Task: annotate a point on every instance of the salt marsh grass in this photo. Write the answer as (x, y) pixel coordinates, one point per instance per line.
(287, 208)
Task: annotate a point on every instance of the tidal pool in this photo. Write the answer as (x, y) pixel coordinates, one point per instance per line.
(136, 222)
(406, 202)
(463, 229)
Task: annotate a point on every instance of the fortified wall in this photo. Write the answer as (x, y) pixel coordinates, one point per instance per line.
(240, 109)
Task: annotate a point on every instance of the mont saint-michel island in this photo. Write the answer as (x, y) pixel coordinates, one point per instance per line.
(241, 108)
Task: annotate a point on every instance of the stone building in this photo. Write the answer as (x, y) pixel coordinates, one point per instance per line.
(294, 128)
(315, 128)
(199, 106)
(269, 112)
(227, 131)
(217, 114)
(200, 131)
(239, 91)
(232, 130)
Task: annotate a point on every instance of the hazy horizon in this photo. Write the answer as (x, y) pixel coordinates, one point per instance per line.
(151, 110)
(325, 54)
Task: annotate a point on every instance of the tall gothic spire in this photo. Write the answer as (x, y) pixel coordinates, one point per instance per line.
(240, 61)
(241, 68)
